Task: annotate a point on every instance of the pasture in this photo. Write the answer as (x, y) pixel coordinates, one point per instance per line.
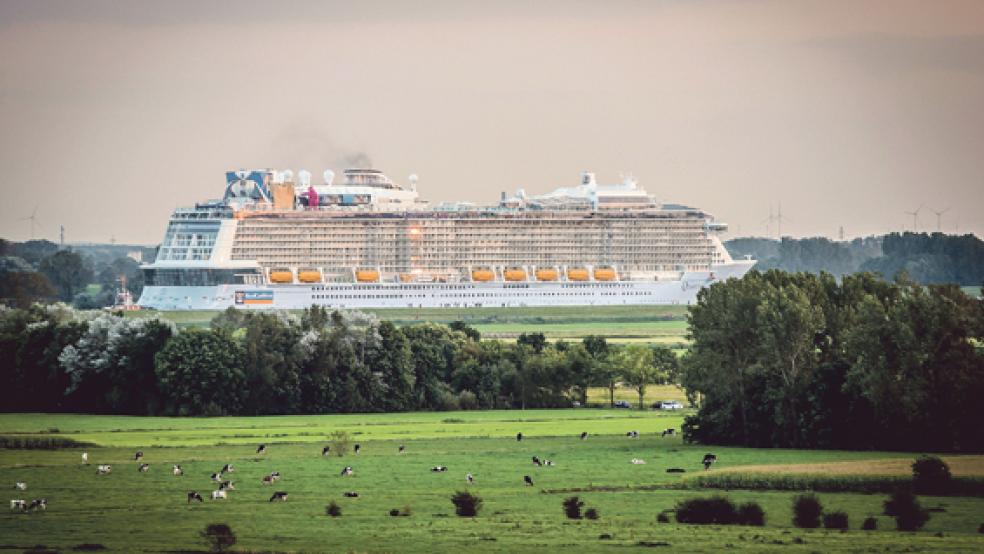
(132, 511)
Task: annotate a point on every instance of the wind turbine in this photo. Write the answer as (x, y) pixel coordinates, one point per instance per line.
(915, 217)
(778, 218)
(33, 218)
(939, 216)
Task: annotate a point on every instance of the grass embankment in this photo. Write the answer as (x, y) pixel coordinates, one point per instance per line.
(132, 511)
(656, 324)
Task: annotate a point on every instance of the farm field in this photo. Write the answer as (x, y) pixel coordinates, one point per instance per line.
(658, 324)
(129, 511)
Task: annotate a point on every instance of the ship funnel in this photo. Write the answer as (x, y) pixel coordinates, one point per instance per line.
(304, 177)
(329, 176)
(413, 181)
(288, 175)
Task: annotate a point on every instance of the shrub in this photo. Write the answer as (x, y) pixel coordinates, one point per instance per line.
(394, 512)
(467, 400)
(40, 443)
(930, 475)
(663, 517)
(905, 508)
(981, 528)
(466, 504)
(835, 520)
(715, 509)
(806, 511)
(572, 507)
(219, 537)
(592, 513)
(750, 513)
(340, 442)
(870, 524)
(333, 509)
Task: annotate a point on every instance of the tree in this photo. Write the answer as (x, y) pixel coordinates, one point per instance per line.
(635, 362)
(536, 341)
(200, 373)
(68, 272)
(603, 370)
(667, 365)
(20, 289)
(219, 537)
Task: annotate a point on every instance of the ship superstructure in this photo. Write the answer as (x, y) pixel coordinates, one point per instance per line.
(277, 241)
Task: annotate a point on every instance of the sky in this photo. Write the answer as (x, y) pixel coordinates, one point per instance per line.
(847, 114)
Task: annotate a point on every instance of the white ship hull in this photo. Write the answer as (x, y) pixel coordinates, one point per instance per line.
(438, 295)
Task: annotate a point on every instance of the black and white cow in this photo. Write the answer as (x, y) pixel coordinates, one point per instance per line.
(177, 471)
(439, 469)
(584, 435)
(138, 456)
(219, 495)
(347, 471)
(325, 451)
(350, 494)
(708, 460)
(144, 468)
(104, 469)
(280, 496)
(193, 495)
(261, 449)
(528, 480)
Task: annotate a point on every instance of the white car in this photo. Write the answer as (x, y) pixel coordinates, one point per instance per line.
(670, 405)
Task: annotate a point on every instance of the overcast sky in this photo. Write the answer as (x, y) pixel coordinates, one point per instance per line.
(848, 113)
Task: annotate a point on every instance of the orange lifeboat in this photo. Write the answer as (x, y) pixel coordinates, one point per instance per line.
(604, 274)
(406, 277)
(367, 275)
(515, 274)
(482, 275)
(546, 275)
(577, 274)
(281, 276)
(309, 276)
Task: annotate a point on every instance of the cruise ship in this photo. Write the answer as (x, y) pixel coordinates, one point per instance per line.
(276, 241)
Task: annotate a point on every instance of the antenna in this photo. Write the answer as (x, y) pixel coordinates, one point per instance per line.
(939, 217)
(413, 181)
(33, 218)
(915, 217)
(61, 235)
(840, 233)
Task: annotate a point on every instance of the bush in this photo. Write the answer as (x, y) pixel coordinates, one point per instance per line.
(466, 504)
(333, 509)
(340, 442)
(716, 509)
(219, 537)
(572, 507)
(592, 513)
(40, 443)
(962, 485)
(930, 475)
(663, 517)
(835, 520)
(394, 512)
(905, 508)
(467, 400)
(750, 513)
(981, 528)
(806, 511)
(870, 524)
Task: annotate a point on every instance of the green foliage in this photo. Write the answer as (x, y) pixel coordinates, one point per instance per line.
(807, 511)
(39, 443)
(869, 524)
(592, 514)
(466, 504)
(750, 513)
(67, 271)
(712, 510)
(333, 509)
(637, 370)
(905, 508)
(835, 520)
(930, 475)
(219, 537)
(866, 484)
(200, 373)
(572, 507)
(341, 442)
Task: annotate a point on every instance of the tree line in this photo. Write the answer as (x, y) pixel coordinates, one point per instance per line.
(808, 361)
(55, 358)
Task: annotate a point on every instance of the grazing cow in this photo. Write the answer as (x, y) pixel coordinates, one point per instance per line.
(402, 449)
(85, 457)
(38, 504)
(268, 480)
(528, 480)
(20, 486)
(18, 505)
(219, 494)
(347, 471)
(279, 495)
(358, 448)
(227, 486)
(708, 460)
(275, 475)
(216, 477)
(144, 468)
(548, 462)
(632, 434)
(350, 494)
(194, 496)
(176, 470)
(227, 469)
(676, 470)
(671, 432)
(104, 469)
(637, 461)
(138, 456)
(537, 462)
(469, 478)
(439, 469)
(519, 437)
(584, 435)
(261, 449)
(325, 450)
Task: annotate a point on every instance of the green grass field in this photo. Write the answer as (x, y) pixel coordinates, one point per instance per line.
(656, 324)
(131, 511)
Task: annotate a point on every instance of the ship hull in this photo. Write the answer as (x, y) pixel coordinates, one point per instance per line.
(438, 295)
